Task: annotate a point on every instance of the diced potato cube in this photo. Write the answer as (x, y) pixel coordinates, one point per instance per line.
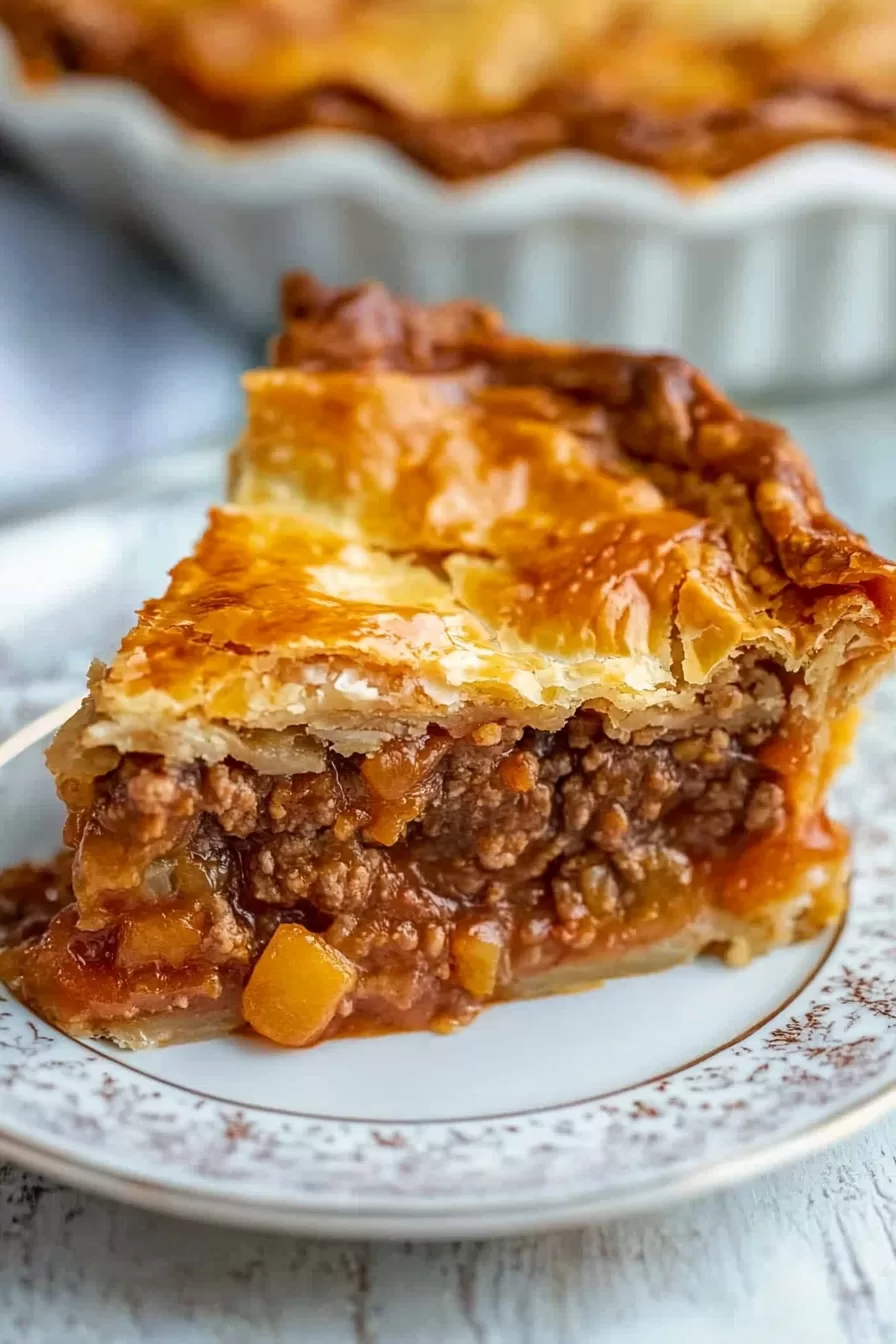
(172, 936)
(477, 956)
(297, 986)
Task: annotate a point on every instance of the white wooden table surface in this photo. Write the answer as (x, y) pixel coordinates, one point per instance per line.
(807, 1256)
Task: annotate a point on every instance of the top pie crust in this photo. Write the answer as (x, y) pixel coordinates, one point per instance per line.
(436, 522)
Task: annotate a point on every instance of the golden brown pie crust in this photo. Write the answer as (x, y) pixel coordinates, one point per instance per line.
(691, 90)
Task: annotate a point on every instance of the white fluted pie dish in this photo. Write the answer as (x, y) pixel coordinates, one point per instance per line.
(783, 275)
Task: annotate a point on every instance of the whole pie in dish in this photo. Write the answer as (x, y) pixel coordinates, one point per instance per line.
(696, 88)
(507, 668)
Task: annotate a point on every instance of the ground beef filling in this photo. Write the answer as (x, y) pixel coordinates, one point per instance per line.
(549, 845)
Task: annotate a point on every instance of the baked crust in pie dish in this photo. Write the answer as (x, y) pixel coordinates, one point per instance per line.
(695, 88)
(507, 667)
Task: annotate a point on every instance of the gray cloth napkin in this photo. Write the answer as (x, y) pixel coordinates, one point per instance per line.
(104, 353)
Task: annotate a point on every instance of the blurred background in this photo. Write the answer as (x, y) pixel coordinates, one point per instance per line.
(108, 355)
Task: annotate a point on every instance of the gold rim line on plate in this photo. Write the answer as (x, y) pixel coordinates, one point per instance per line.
(121, 1059)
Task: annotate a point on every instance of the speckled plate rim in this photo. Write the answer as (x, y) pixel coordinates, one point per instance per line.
(255, 1215)
(465, 1217)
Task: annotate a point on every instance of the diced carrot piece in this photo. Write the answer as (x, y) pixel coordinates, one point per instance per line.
(297, 986)
(477, 956)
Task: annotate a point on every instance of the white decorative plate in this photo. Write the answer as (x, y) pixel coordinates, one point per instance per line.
(540, 1114)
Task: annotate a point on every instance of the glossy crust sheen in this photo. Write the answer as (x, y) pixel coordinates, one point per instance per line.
(441, 523)
(694, 88)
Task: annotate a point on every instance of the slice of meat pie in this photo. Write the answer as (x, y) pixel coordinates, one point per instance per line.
(509, 667)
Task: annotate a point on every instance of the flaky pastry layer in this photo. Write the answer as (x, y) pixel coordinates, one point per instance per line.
(696, 88)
